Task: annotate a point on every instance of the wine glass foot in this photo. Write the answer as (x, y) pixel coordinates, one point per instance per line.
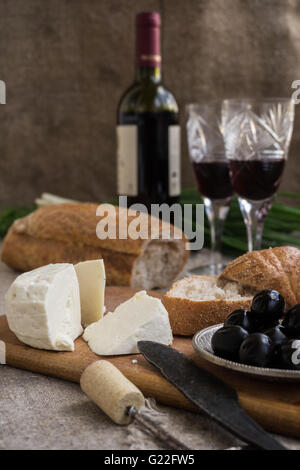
(216, 269)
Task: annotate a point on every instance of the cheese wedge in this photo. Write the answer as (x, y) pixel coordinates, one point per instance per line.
(43, 307)
(91, 278)
(140, 318)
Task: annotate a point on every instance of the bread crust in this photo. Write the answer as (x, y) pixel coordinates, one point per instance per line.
(25, 253)
(67, 233)
(189, 316)
(275, 268)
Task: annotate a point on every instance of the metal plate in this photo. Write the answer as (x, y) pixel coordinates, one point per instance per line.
(202, 345)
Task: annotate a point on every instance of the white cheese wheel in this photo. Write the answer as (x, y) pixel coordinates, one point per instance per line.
(43, 307)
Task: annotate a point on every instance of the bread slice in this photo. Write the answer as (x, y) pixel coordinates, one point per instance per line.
(66, 233)
(275, 268)
(196, 302)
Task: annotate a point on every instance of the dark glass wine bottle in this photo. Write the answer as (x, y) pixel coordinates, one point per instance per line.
(148, 131)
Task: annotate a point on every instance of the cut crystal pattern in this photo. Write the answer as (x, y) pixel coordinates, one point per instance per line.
(257, 133)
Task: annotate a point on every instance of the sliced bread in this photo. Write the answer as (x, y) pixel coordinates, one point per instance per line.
(275, 268)
(196, 302)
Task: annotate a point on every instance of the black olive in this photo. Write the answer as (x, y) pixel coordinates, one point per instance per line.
(278, 336)
(256, 350)
(241, 318)
(290, 354)
(292, 321)
(226, 341)
(266, 309)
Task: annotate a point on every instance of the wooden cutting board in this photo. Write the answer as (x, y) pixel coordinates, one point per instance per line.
(276, 406)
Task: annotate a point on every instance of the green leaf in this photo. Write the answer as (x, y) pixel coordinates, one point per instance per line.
(8, 216)
(280, 226)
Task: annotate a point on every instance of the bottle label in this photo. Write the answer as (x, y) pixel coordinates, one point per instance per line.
(174, 160)
(127, 160)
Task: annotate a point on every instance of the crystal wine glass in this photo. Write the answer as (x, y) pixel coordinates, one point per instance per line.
(257, 134)
(207, 153)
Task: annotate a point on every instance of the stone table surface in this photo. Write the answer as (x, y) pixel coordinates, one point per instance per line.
(39, 412)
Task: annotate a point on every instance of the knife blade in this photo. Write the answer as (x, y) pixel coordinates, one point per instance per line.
(212, 396)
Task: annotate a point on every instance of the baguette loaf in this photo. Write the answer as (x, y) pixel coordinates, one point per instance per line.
(196, 302)
(66, 233)
(275, 268)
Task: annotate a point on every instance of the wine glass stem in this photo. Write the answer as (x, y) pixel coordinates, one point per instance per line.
(254, 214)
(216, 211)
(254, 235)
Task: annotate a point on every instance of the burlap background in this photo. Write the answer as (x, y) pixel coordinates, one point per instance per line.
(66, 62)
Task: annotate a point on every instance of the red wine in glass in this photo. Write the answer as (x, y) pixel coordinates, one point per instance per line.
(213, 179)
(256, 180)
(214, 185)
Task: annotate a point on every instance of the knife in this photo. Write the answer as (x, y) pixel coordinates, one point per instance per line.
(208, 393)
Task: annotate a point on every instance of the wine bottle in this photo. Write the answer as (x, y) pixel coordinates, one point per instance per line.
(148, 131)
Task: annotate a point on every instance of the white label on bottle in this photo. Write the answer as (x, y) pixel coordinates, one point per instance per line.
(127, 160)
(174, 160)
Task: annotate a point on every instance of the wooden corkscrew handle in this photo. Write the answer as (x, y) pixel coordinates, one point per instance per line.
(106, 386)
(121, 400)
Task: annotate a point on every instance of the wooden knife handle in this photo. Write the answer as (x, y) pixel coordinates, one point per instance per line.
(106, 386)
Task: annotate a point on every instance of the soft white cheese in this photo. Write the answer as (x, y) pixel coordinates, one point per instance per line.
(140, 318)
(91, 278)
(43, 307)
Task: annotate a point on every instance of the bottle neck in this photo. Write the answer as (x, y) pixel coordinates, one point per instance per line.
(148, 74)
(148, 58)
